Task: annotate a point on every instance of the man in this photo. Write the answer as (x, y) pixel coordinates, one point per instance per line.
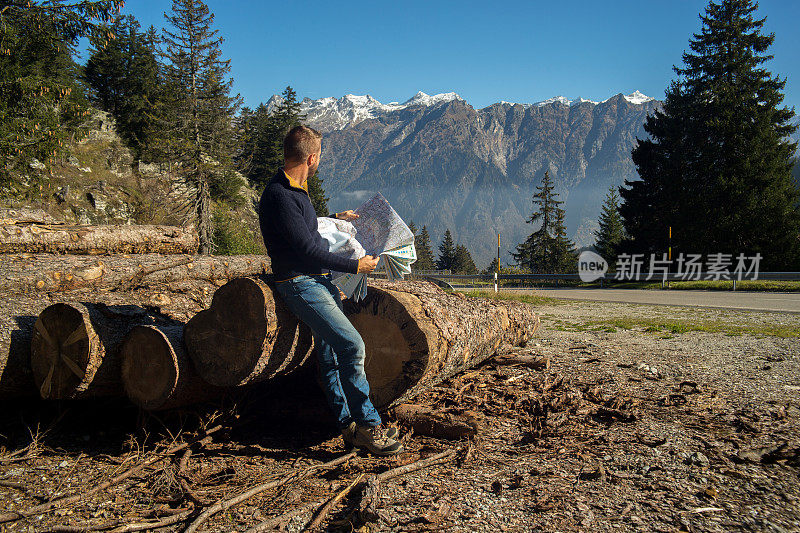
(299, 255)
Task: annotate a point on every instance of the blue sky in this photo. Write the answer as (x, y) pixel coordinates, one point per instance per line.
(515, 51)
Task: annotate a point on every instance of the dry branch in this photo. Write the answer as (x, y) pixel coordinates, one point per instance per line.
(326, 509)
(425, 421)
(58, 502)
(295, 475)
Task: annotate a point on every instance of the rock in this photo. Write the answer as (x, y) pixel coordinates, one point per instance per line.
(73, 161)
(37, 165)
(698, 459)
(85, 170)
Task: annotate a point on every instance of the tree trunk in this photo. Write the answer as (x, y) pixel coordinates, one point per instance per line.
(246, 335)
(156, 372)
(23, 273)
(417, 335)
(74, 348)
(95, 240)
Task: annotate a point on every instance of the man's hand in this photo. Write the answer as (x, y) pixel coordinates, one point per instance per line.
(347, 216)
(367, 264)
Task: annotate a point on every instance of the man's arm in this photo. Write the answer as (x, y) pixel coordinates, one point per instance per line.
(288, 219)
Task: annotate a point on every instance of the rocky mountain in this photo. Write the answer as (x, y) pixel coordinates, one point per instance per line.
(442, 163)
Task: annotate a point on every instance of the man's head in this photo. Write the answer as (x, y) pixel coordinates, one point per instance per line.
(302, 146)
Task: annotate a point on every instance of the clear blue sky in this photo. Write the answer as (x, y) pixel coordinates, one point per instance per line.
(518, 51)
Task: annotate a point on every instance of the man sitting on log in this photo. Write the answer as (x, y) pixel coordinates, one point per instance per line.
(299, 256)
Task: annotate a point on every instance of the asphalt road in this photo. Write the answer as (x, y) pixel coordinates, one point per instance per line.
(753, 301)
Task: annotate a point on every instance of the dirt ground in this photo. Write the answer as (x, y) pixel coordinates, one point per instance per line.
(629, 429)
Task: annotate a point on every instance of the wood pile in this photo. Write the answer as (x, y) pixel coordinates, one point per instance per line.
(169, 329)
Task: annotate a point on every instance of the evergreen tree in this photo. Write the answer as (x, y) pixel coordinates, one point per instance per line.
(462, 261)
(447, 252)
(547, 249)
(493, 267)
(422, 244)
(196, 121)
(612, 231)
(412, 227)
(124, 76)
(41, 104)
(717, 166)
(317, 195)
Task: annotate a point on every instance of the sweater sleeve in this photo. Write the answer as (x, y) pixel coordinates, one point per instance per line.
(288, 219)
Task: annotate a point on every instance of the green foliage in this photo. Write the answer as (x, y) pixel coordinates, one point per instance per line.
(717, 166)
(124, 77)
(462, 262)
(231, 237)
(422, 243)
(194, 118)
(493, 267)
(41, 103)
(412, 227)
(447, 253)
(612, 230)
(547, 250)
(261, 146)
(317, 195)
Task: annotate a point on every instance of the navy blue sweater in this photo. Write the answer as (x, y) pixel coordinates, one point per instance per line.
(289, 227)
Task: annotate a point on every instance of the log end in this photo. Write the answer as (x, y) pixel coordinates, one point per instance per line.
(149, 367)
(65, 351)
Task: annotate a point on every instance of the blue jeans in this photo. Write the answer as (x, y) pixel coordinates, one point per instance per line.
(340, 349)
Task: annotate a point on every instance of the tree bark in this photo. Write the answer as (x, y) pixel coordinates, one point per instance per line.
(75, 348)
(95, 240)
(247, 335)
(24, 273)
(156, 372)
(17, 317)
(418, 335)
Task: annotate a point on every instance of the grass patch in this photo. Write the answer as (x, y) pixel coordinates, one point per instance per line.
(708, 285)
(517, 297)
(673, 326)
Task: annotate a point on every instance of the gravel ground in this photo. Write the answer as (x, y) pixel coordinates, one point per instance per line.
(628, 429)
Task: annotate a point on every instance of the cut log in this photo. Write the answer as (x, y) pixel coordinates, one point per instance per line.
(17, 317)
(74, 348)
(156, 372)
(94, 240)
(247, 335)
(417, 335)
(24, 273)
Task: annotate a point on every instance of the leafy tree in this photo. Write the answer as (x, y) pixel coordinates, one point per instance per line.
(717, 165)
(547, 249)
(422, 244)
(447, 252)
(612, 230)
(124, 76)
(41, 104)
(462, 261)
(196, 121)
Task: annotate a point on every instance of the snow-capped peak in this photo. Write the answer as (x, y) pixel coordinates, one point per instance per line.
(637, 98)
(427, 100)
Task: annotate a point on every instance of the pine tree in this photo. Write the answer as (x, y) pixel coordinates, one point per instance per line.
(547, 249)
(717, 166)
(462, 261)
(612, 231)
(447, 252)
(317, 195)
(412, 227)
(197, 129)
(493, 267)
(41, 103)
(422, 244)
(124, 76)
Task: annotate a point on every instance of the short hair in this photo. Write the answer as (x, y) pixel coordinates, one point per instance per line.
(301, 142)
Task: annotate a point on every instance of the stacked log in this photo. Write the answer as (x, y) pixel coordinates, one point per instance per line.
(415, 335)
(93, 240)
(247, 335)
(156, 372)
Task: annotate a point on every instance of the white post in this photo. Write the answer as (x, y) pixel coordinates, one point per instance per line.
(495, 282)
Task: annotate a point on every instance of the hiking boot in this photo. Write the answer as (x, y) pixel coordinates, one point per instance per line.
(375, 440)
(348, 434)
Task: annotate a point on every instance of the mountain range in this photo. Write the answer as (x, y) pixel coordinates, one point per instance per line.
(447, 165)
